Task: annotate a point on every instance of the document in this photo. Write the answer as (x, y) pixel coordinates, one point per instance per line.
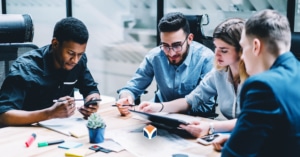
(165, 144)
(72, 126)
(111, 145)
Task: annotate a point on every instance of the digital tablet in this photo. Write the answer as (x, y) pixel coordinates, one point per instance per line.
(163, 120)
(167, 123)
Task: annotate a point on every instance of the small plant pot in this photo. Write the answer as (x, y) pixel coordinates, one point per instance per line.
(96, 135)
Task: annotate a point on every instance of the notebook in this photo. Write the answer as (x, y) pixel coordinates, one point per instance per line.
(170, 124)
(72, 126)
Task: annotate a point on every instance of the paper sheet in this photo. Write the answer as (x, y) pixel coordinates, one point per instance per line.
(164, 144)
(111, 145)
(68, 126)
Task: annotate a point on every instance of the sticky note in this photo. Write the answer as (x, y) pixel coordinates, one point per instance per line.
(68, 145)
(78, 152)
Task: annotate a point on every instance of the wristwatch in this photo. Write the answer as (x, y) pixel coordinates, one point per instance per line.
(211, 129)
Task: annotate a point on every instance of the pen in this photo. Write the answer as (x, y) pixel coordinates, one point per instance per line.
(75, 100)
(114, 105)
(43, 144)
(30, 139)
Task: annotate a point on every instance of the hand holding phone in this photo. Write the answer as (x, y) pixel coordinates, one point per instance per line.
(91, 102)
(207, 139)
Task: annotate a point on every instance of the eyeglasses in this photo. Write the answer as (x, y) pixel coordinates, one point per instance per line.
(175, 47)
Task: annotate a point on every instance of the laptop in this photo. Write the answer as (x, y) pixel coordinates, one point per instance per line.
(166, 123)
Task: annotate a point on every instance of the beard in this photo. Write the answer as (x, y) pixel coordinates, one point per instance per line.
(173, 62)
(183, 56)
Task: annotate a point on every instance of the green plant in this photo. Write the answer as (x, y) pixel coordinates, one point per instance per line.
(95, 121)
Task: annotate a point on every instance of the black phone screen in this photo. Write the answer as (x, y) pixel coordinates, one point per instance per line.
(91, 102)
(209, 138)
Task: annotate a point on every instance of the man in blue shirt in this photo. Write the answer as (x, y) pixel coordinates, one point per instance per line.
(50, 73)
(269, 123)
(177, 65)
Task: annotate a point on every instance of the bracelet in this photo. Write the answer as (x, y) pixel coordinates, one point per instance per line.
(162, 106)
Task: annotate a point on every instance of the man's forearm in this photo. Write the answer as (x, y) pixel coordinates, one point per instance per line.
(18, 117)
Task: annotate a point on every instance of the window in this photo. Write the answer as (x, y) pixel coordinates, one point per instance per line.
(44, 15)
(121, 33)
(297, 16)
(218, 10)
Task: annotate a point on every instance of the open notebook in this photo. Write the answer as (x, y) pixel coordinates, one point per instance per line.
(72, 126)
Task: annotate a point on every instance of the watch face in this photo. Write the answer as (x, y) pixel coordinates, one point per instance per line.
(211, 129)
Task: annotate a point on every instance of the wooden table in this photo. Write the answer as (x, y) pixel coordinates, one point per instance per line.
(12, 139)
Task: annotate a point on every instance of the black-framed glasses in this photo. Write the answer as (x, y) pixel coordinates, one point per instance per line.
(175, 47)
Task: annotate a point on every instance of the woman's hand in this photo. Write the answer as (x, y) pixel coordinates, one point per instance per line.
(196, 128)
(218, 143)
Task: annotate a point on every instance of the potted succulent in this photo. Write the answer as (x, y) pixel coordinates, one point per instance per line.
(96, 127)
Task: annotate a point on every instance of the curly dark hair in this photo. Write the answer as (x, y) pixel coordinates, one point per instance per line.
(71, 29)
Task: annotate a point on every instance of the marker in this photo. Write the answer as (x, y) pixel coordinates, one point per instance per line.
(43, 144)
(30, 139)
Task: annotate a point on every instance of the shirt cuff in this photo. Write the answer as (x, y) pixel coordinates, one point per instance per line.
(127, 92)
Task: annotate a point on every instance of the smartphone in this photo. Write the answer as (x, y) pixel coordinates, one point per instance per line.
(91, 102)
(207, 140)
(97, 148)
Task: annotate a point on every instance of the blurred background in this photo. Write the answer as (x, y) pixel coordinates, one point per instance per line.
(123, 31)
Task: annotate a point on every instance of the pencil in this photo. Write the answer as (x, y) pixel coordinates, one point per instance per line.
(75, 100)
(114, 105)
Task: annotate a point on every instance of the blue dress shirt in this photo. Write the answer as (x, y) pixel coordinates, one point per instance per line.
(173, 81)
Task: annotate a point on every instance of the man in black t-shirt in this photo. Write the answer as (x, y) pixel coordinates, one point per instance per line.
(50, 73)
